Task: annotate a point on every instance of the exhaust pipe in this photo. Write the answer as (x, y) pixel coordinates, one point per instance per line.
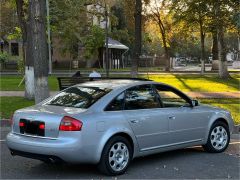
(12, 153)
(52, 160)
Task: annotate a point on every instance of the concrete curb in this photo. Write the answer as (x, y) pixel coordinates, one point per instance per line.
(7, 123)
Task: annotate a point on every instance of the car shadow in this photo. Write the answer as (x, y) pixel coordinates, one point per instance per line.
(66, 171)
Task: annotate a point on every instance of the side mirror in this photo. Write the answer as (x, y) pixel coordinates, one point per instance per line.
(195, 103)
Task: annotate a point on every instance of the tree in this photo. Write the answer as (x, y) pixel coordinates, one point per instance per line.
(119, 28)
(73, 23)
(214, 44)
(93, 41)
(158, 14)
(138, 38)
(8, 19)
(194, 12)
(225, 13)
(223, 72)
(69, 24)
(23, 19)
(37, 32)
(184, 41)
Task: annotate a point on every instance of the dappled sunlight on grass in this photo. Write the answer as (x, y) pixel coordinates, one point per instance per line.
(184, 82)
(198, 83)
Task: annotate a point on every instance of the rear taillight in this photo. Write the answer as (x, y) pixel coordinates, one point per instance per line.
(70, 124)
(42, 126)
(21, 124)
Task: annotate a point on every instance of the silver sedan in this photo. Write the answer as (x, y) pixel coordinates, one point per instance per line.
(110, 122)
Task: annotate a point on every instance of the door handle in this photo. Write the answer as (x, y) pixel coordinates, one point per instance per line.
(171, 117)
(134, 121)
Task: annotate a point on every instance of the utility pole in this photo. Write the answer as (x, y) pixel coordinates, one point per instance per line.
(49, 38)
(106, 41)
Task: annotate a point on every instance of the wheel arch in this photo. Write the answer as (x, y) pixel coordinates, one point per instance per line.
(213, 120)
(126, 134)
(221, 119)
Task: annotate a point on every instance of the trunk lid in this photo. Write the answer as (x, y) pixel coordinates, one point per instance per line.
(41, 120)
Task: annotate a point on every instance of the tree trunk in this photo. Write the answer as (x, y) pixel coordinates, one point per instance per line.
(138, 38)
(39, 50)
(215, 61)
(29, 66)
(214, 45)
(223, 68)
(27, 54)
(164, 39)
(202, 47)
(167, 57)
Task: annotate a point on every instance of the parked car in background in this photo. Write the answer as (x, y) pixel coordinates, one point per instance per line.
(110, 122)
(192, 60)
(181, 61)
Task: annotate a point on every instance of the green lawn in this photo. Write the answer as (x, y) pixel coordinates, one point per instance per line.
(198, 83)
(9, 104)
(10, 83)
(184, 82)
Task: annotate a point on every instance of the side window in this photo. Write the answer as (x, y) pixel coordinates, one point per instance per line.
(169, 98)
(141, 97)
(116, 104)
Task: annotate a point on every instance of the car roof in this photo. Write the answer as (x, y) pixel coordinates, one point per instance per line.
(114, 83)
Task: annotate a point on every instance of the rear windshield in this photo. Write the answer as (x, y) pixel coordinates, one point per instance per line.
(78, 97)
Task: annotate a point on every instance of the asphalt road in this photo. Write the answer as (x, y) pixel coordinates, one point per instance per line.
(189, 163)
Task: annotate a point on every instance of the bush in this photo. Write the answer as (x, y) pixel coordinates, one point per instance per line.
(21, 66)
(3, 57)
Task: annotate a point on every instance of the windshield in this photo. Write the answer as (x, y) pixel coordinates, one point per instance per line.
(78, 97)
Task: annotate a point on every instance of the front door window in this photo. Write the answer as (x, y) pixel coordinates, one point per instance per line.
(141, 97)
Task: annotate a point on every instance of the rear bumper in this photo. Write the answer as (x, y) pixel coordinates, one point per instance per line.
(42, 157)
(66, 149)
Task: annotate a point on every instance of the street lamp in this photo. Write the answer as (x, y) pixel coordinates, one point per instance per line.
(106, 41)
(49, 39)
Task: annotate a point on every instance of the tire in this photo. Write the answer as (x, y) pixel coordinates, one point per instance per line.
(116, 156)
(218, 138)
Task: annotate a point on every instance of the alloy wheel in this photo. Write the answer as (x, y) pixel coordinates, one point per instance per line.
(118, 156)
(219, 137)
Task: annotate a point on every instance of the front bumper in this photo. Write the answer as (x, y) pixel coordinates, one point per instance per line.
(66, 149)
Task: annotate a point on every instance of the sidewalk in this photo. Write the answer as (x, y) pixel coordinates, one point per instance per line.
(18, 93)
(190, 94)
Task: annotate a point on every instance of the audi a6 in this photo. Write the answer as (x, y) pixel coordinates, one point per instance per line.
(110, 122)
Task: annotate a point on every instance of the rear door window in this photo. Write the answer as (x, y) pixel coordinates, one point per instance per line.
(117, 103)
(78, 97)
